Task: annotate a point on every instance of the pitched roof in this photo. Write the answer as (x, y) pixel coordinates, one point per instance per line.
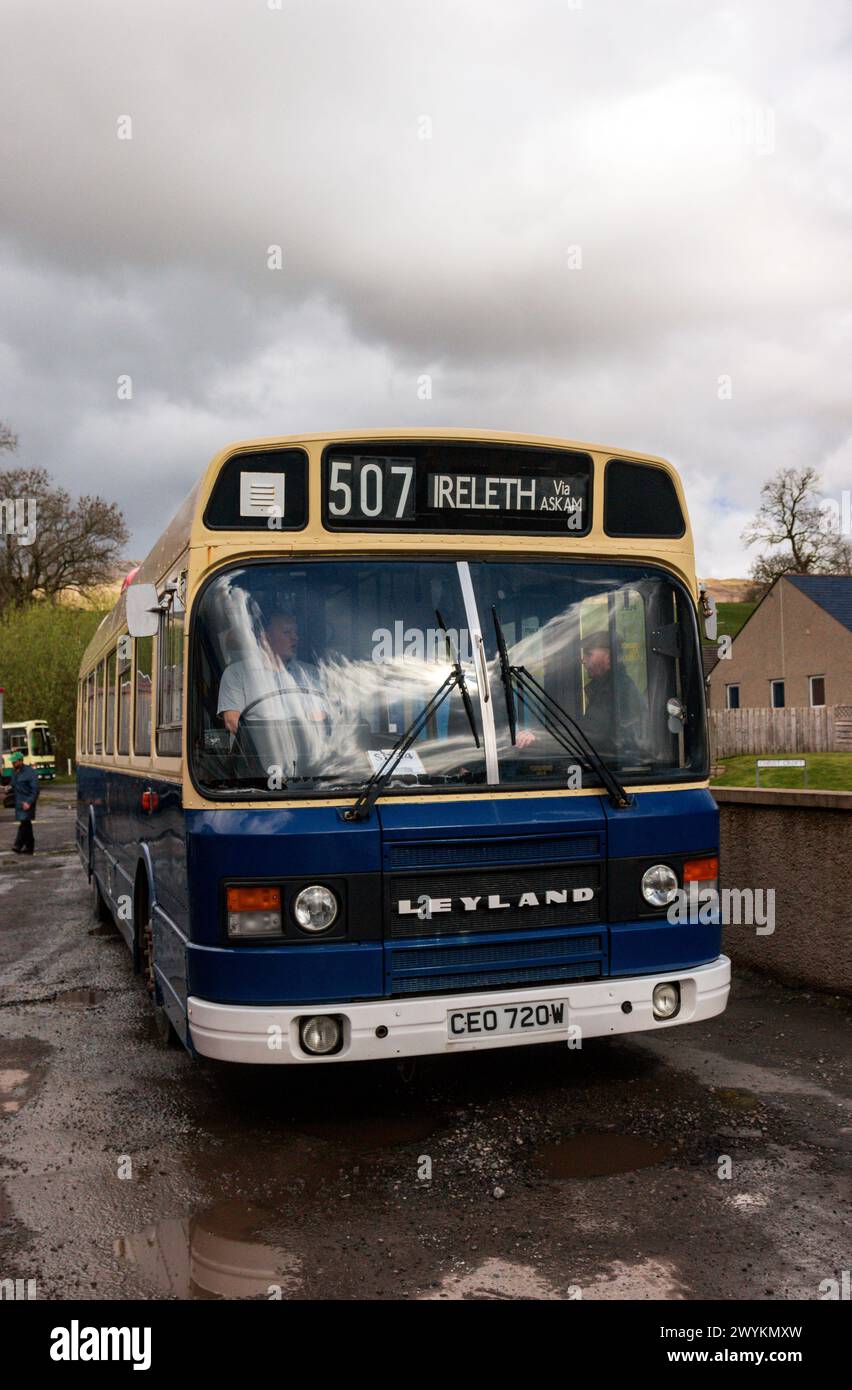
(832, 592)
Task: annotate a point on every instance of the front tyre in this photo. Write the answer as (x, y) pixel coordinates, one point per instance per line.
(98, 903)
(162, 1023)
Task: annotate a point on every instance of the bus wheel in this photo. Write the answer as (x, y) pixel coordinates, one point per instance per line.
(162, 1023)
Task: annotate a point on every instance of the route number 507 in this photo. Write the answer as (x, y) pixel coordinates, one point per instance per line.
(369, 487)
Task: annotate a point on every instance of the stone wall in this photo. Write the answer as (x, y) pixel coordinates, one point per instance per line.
(800, 844)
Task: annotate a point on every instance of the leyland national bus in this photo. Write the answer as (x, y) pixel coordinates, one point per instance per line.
(396, 744)
(33, 738)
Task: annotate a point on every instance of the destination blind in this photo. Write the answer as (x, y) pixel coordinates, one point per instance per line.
(456, 487)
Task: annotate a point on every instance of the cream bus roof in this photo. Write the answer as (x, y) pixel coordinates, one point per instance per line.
(186, 530)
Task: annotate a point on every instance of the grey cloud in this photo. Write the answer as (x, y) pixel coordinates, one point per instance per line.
(699, 157)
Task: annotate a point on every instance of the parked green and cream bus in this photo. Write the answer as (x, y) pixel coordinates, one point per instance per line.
(34, 739)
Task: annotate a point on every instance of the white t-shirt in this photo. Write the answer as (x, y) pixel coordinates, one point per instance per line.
(296, 683)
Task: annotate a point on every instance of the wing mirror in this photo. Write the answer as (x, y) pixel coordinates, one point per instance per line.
(676, 711)
(143, 610)
(708, 609)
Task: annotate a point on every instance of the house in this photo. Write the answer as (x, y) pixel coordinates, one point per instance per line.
(794, 651)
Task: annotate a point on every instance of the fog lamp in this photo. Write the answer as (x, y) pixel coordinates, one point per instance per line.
(666, 1000)
(320, 1034)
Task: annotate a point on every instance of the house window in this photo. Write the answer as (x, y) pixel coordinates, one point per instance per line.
(817, 685)
(732, 700)
(777, 694)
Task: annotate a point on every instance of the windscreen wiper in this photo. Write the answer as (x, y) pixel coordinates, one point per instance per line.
(557, 721)
(380, 778)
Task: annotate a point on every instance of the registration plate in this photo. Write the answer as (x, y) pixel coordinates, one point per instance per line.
(545, 1016)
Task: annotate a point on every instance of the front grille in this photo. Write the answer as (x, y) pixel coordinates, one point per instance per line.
(533, 850)
(510, 886)
(477, 963)
(541, 975)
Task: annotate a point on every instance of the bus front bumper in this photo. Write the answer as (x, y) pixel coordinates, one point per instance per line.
(392, 1028)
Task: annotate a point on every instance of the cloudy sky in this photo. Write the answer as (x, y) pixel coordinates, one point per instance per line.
(626, 221)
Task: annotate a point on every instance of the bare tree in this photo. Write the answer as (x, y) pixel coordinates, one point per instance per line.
(791, 522)
(64, 545)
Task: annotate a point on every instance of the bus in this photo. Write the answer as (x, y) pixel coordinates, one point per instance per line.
(396, 745)
(33, 738)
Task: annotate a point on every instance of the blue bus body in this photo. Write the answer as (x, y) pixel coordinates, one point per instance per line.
(514, 616)
(183, 858)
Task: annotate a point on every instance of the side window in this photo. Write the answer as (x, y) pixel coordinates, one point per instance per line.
(142, 715)
(99, 708)
(90, 713)
(170, 678)
(109, 731)
(125, 648)
(81, 718)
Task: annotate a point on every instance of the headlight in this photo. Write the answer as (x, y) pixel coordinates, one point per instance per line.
(659, 885)
(315, 908)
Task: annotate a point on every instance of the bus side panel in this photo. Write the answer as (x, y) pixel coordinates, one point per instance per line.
(127, 840)
(163, 831)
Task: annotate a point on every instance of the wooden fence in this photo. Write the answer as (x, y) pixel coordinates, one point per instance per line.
(825, 730)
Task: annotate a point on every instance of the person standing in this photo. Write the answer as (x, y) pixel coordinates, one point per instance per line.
(25, 788)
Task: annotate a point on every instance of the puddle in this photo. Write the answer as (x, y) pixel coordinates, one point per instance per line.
(216, 1254)
(368, 1132)
(598, 1156)
(79, 998)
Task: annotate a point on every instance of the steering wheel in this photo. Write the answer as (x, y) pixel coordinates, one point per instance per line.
(290, 718)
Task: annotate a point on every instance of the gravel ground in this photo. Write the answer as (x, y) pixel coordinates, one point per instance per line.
(128, 1171)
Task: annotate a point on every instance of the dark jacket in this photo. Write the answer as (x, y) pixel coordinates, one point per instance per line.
(615, 711)
(25, 787)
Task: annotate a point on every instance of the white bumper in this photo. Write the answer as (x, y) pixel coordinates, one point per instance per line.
(418, 1027)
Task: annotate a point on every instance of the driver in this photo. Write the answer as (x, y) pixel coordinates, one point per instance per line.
(274, 671)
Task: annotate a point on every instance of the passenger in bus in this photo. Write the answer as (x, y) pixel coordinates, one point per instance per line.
(272, 670)
(615, 710)
(615, 716)
(25, 788)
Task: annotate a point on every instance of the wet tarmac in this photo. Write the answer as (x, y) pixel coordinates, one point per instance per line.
(705, 1162)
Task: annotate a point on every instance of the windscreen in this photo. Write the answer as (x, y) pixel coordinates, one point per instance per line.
(305, 674)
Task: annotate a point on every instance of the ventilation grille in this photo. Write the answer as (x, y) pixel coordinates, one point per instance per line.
(434, 853)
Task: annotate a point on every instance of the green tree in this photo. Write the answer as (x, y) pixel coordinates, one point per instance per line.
(41, 646)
